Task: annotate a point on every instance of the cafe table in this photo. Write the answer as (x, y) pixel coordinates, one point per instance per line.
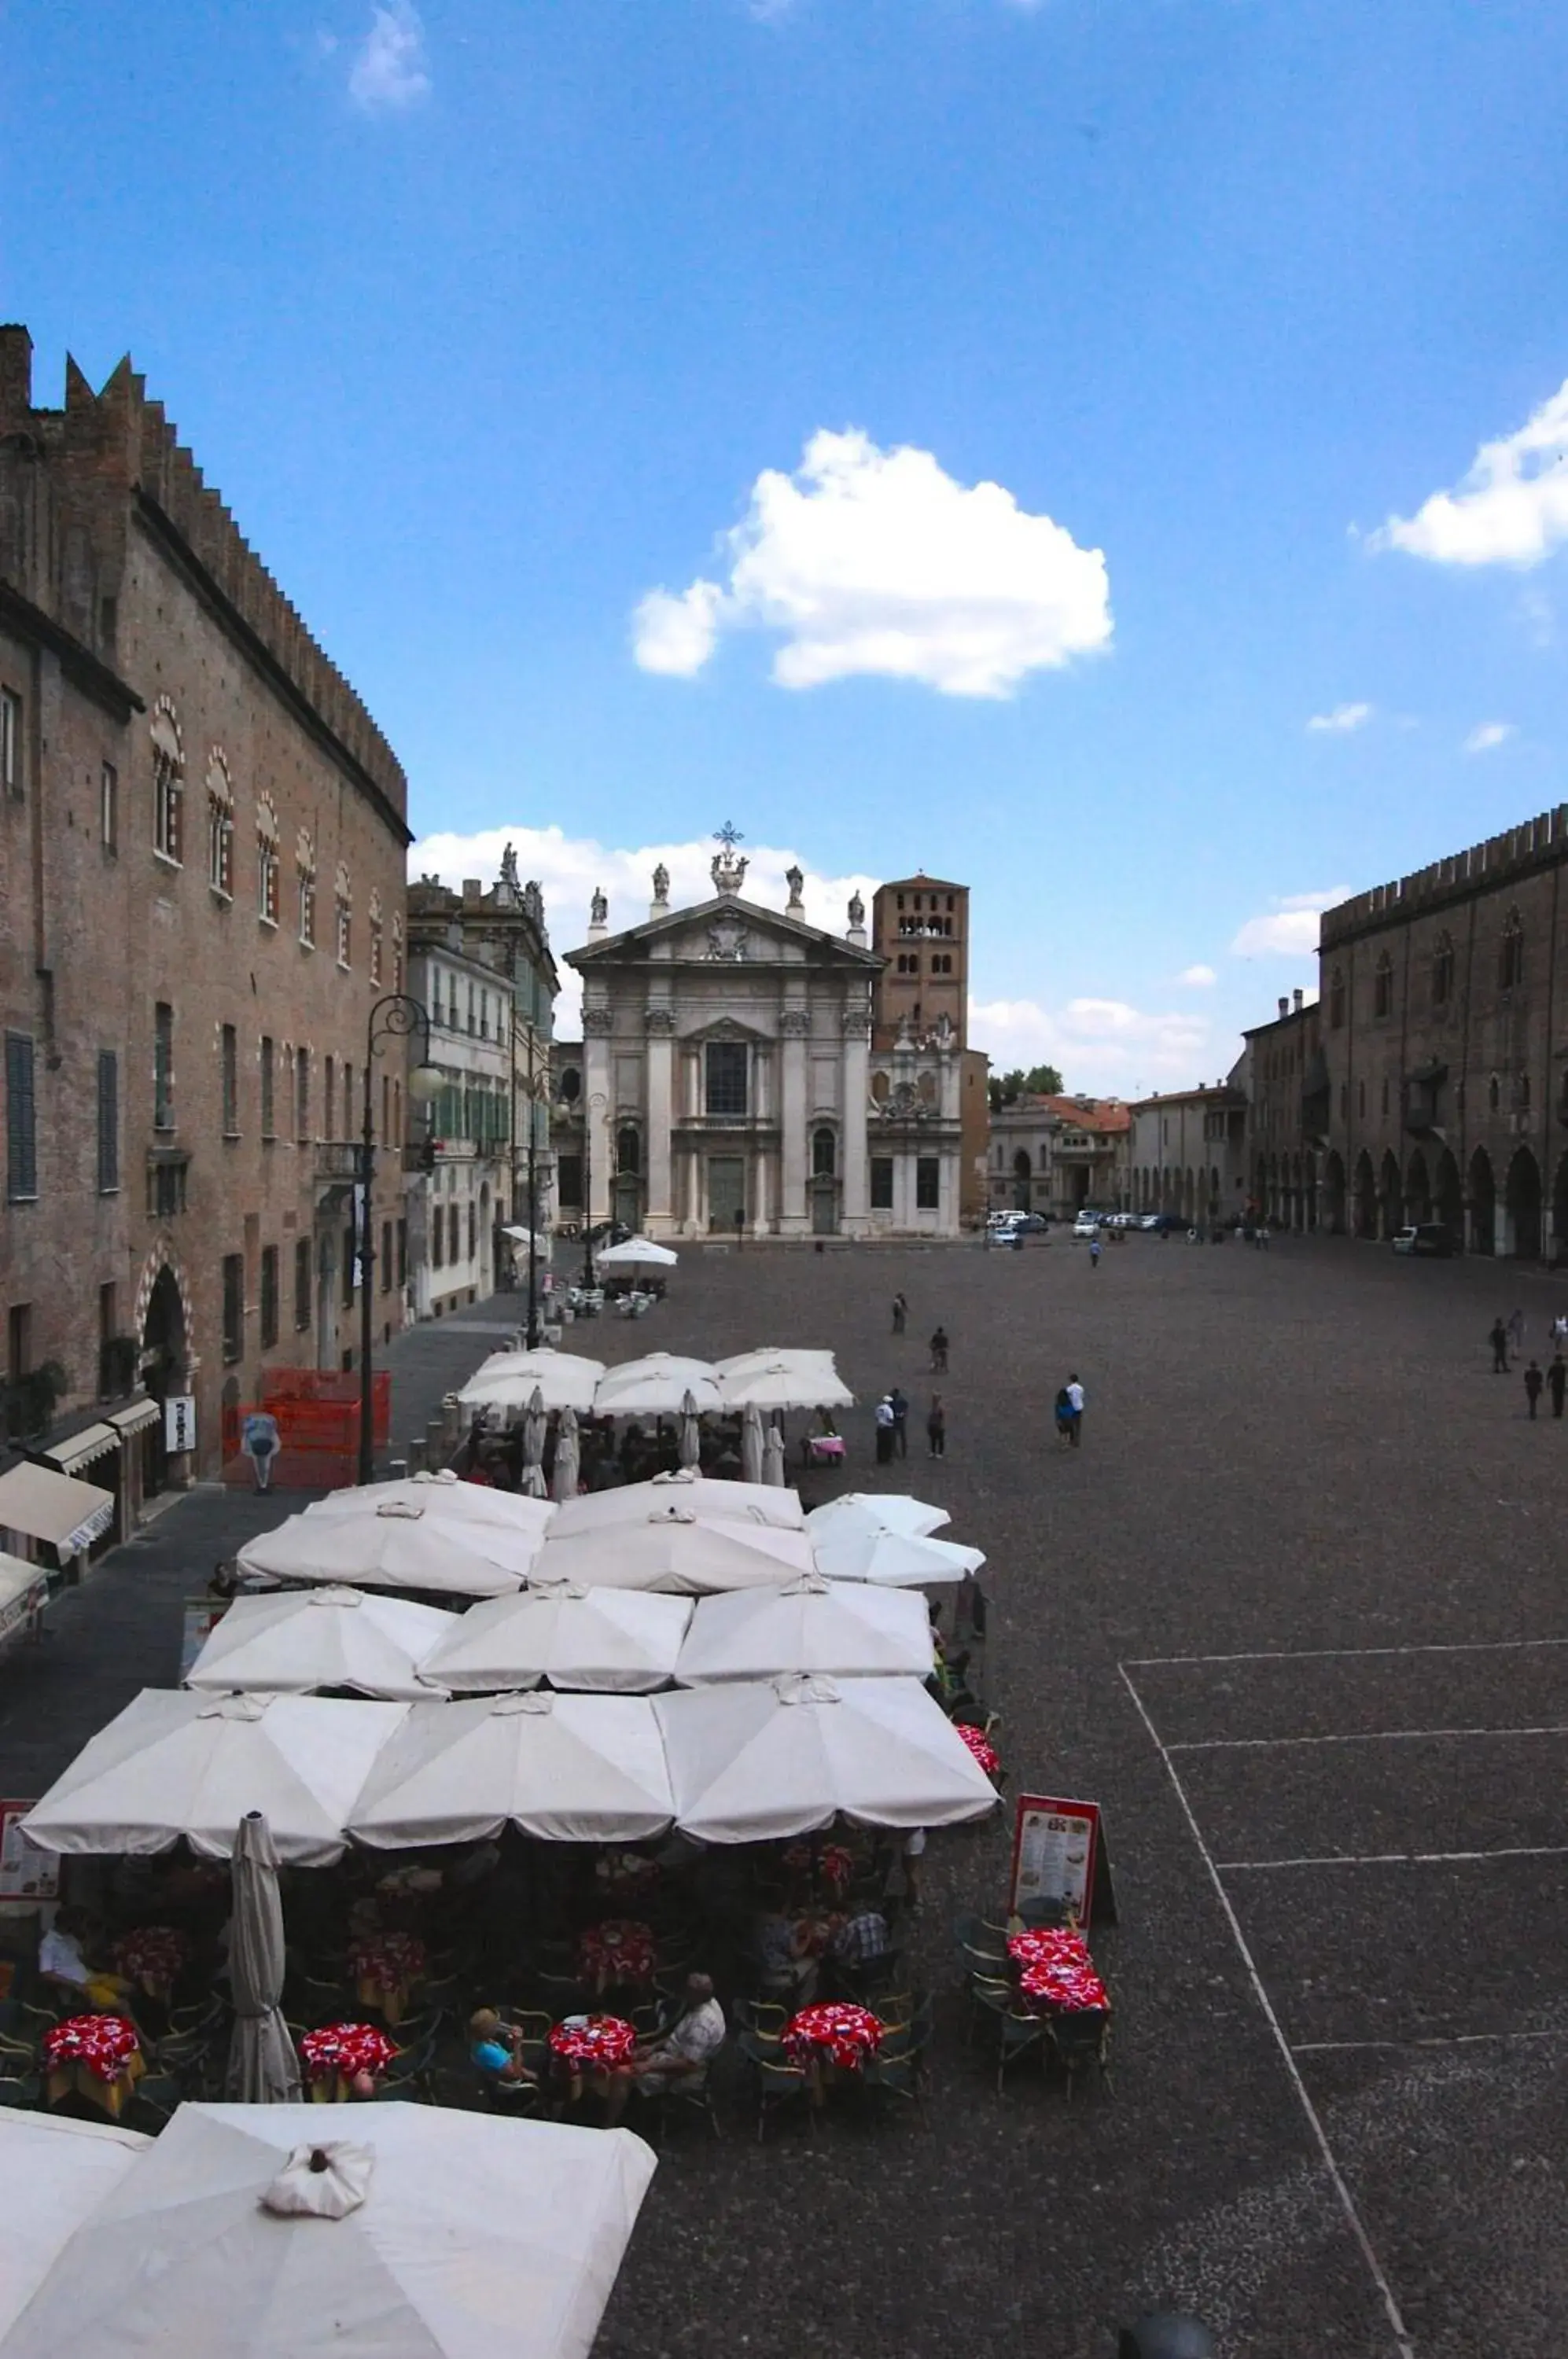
(621, 1950)
(593, 2043)
(97, 2057)
(1056, 1974)
(834, 2036)
(151, 1956)
(385, 1966)
(336, 2054)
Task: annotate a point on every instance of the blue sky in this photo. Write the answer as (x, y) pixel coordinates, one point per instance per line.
(492, 322)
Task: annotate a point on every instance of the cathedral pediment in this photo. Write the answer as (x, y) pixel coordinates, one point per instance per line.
(727, 931)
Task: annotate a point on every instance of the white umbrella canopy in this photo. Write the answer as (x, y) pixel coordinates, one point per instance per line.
(638, 1253)
(507, 1380)
(786, 1383)
(752, 1761)
(620, 1641)
(526, 1237)
(55, 2173)
(445, 1496)
(474, 2235)
(671, 1550)
(657, 1386)
(876, 1511)
(291, 1641)
(899, 1560)
(398, 1547)
(702, 1495)
(841, 1629)
(568, 1768)
(178, 1763)
(772, 1356)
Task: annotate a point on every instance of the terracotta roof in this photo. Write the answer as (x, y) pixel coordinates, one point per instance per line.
(1107, 1115)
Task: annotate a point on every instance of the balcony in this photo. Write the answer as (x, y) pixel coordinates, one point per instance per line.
(337, 1159)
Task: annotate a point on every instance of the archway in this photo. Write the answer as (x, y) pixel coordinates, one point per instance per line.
(1448, 1196)
(1418, 1189)
(1022, 1167)
(1334, 1195)
(1560, 1212)
(166, 1354)
(1390, 1197)
(1365, 1197)
(1482, 1204)
(1522, 1204)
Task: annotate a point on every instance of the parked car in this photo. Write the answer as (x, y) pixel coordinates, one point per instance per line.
(1087, 1224)
(1428, 1239)
(1162, 1222)
(1033, 1225)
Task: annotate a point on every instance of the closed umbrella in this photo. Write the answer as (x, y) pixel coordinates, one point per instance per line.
(751, 1443)
(691, 1446)
(773, 1457)
(262, 2067)
(568, 1455)
(534, 1427)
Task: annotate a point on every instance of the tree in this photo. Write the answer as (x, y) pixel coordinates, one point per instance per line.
(1041, 1080)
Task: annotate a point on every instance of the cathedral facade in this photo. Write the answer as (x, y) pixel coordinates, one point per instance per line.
(727, 1081)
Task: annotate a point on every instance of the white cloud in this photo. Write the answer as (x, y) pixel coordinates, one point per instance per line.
(876, 561)
(570, 868)
(389, 70)
(1291, 928)
(1511, 508)
(1342, 720)
(1096, 1044)
(1197, 978)
(1489, 734)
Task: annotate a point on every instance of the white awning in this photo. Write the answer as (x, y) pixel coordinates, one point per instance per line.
(44, 1505)
(81, 1448)
(137, 1418)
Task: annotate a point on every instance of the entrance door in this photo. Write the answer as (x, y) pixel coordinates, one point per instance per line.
(726, 1189)
(824, 1208)
(628, 1192)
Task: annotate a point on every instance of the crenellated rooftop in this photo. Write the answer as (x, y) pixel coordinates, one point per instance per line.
(1536, 843)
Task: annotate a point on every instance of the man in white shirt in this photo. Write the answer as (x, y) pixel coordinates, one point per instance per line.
(1075, 1391)
(680, 2056)
(63, 1965)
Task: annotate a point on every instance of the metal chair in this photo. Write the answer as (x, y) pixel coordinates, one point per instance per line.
(987, 1995)
(1079, 2039)
(898, 2074)
(1021, 2036)
(694, 2091)
(779, 2083)
(21, 2088)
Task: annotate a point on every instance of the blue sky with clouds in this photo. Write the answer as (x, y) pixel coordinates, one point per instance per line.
(1110, 450)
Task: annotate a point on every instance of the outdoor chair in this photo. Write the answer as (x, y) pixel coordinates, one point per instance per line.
(898, 2073)
(161, 2093)
(976, 1937)
(1079, 2040)
(693, 2093)
(988, 1995)
(15, 2054)
(536, 2027)
(762, 2019)
(20, 2089)
(1034, 1914)
(779, 2084)
(1022, 2035)
(515, 2097)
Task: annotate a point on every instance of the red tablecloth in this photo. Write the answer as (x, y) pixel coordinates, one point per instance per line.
(599, 2040)
(985, 1751)
(346, 2049)
(105, 2043)
(836, 1866)
(618, 1950)
(388, 1961)
(152, 1955)
(826, 1448)
(846, 2035)
(1055, 1970)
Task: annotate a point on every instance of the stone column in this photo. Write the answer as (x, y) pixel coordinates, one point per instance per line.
(662, 1211)
(597, 1108)
(794, 1159)
(855, 1069)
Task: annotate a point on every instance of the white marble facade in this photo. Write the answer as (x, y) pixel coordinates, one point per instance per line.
(728, 1067)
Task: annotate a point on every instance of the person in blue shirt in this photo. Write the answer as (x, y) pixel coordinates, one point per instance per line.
(496, 2048)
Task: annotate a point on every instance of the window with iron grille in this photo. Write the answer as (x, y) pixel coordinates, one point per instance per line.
(234, 1307)
(927, 1183)
(268, 1297)
(301, 1095)
(302, 1283)
(163, 1066)
(165, 1192)
(726, 1076)
(169, 809)
(231, 1081)
(269, 1129)
(881, 1183)
(108, 1122)
(403, 1253)
(1383, 986)
(21, 1120)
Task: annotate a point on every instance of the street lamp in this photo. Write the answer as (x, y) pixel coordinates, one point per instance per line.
(533, 1330)
(392, 1018)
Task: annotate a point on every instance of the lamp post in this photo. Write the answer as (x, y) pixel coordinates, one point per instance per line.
(533, 1326)
(394, 1016)
(592, 1105)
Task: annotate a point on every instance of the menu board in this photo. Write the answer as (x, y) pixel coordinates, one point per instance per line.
(1054, 1844)
(25, 1874)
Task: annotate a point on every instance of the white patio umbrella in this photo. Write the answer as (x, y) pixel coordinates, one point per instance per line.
(55, 2173)
(509, 1380)
(875, 1511)
(638, 1253)
(264, 2068)
(446, 2235)
(657, 1386)
(751, 1761)
(671, 1550)
(751, 1443)
(690, 1447)
(786, 1383)
(841, 1628)
(291, 1641)
(569, 1769)
(773, 1457)
(177, 1763)
(525, 1237)
(899, 1560)
(442, 1495)
(771, 1355)
(611, 1640)
(568, 1456)
(398, 1547)
(706, 1497)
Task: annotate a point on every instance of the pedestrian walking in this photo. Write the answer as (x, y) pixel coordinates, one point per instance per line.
(1063, 1411)
(1499, 1340)
(885, 1431)
(900, 1314)
(1557, 1381)
(1095, 1252)
(1075, 1404)
(939, 1352)
(1533, 1380)
(900, 1408)
(1560, 1330)
(936, 1424)
(259, 1440)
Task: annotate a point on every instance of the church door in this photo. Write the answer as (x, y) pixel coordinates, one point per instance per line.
(726, 1189)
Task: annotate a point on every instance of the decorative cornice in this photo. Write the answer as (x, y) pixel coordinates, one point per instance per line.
(598, 1020)
(857, 1024)
(795, 1022)
(659, 1019)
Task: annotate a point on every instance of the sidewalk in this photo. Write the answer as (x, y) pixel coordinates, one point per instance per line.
(121, 1630)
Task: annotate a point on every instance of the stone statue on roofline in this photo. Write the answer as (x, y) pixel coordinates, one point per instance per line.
(661, 883)
(599, 908)
(856, 912)
(509, 866)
